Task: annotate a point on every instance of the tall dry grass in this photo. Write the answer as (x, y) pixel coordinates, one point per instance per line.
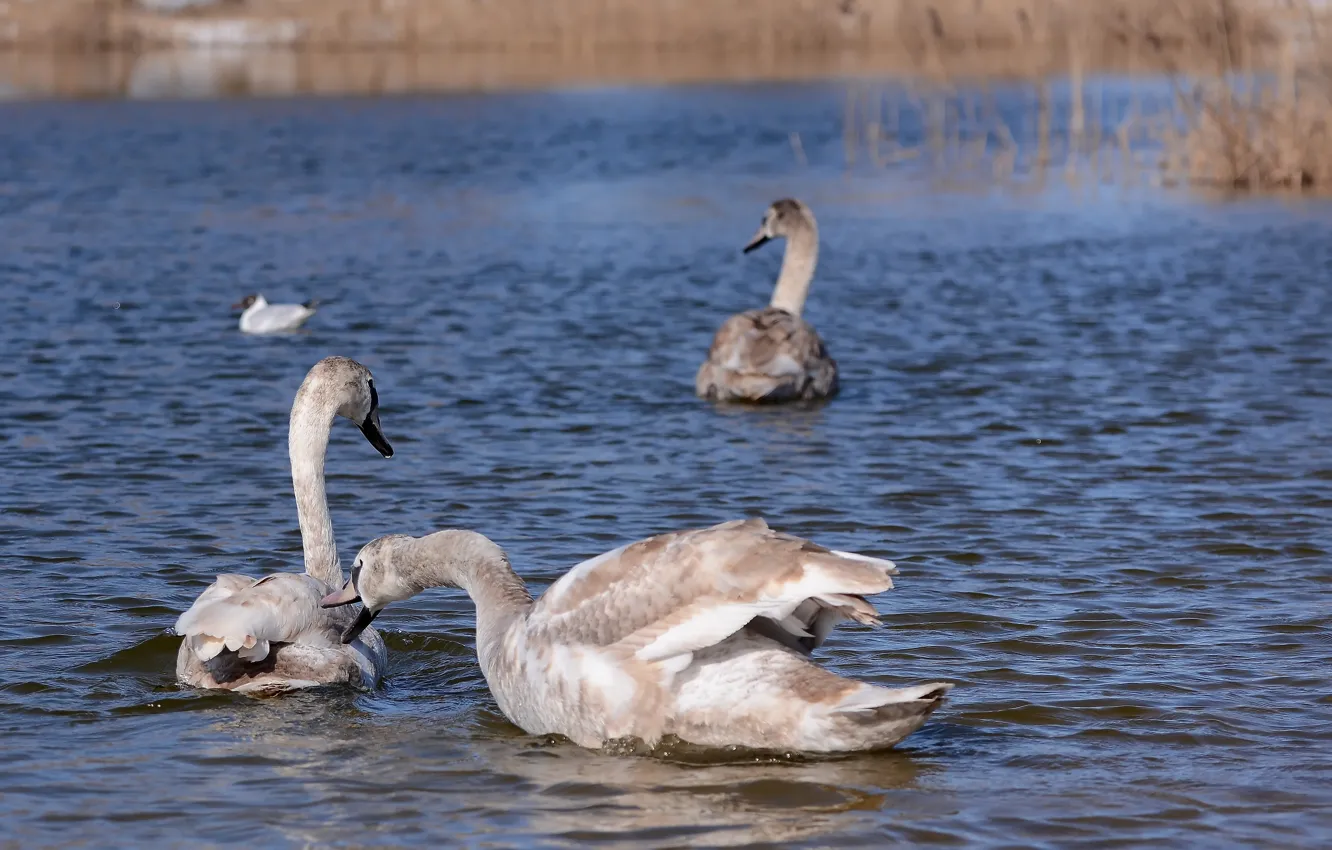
(1260, 129)
(930, 30)
(1253, 114)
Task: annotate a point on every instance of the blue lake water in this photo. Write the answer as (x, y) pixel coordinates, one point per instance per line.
(1090, 424)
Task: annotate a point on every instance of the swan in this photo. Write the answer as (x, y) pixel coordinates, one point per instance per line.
(772, 354)
(702, 634)
(260, 317)
(270, 634)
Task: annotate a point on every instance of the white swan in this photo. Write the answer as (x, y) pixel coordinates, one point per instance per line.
(260, 317)
(703, 634)
(772, 354)
(270, 634)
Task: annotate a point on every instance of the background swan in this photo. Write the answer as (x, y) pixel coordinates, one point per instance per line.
(270, 634)
(772, 354)
(260, 317)
(704, 634)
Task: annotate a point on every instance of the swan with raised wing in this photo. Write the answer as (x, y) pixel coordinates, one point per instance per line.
(271, 634)
(703, 634)
(771, 354)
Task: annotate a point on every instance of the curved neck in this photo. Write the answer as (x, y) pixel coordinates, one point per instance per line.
(307, 445)
(472, 562)
(802, 254)
(501, 600)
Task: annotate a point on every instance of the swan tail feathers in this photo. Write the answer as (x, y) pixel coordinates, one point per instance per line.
(873, 697)
(225, 625)
(206, 647)
(870, 717)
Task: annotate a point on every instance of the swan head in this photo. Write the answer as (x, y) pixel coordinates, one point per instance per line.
(348, 389)
(250, 301)
(396, 567)
(376, 580)
(362, 407)
(783, 219)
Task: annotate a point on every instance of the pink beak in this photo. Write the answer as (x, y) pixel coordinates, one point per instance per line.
(346, 596)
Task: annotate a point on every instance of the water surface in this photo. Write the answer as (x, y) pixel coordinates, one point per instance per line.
(1090, 426)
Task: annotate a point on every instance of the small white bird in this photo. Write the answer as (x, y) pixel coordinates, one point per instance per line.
(260, 317)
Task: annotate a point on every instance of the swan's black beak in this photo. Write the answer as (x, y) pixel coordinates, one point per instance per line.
(370, 428)
(759, 240)
(363, 619)
(347, 596)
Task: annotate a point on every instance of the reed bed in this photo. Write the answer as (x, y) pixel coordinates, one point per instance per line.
(1242, 136)
(966, 141)
(1256, 131)
(927, 29)
(1236, 119)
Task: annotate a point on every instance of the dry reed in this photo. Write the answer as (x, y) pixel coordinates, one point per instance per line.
(932, 31)
(1240, 119)
(1259, 129)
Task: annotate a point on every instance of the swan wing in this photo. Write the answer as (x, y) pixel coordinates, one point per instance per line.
(246, 616)
(665, 597)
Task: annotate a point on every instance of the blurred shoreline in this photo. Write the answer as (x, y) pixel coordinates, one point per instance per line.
(1105, 26)
(208, 48)
(275, 72)
(90, 48)
(1251, 80)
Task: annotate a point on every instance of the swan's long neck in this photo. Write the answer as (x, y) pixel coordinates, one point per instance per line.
(802, 255)
(502, 600)
(307, 444)
(468, 560)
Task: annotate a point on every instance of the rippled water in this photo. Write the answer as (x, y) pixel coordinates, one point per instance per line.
(1091, 427)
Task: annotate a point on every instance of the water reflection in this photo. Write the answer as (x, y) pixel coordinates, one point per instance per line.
(218, 72)
(516, 785)
(223, 71)
(226, 70)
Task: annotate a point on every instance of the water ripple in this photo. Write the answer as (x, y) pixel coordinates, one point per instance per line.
(1092, 431)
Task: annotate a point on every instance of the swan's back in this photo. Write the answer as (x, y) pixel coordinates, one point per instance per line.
(271, 634)
(675, 632)
(767, 355)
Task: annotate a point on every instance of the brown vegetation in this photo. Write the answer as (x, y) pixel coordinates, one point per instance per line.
(1259, 129)
(1250, 133)
(1251, 112)
(1100, 31)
